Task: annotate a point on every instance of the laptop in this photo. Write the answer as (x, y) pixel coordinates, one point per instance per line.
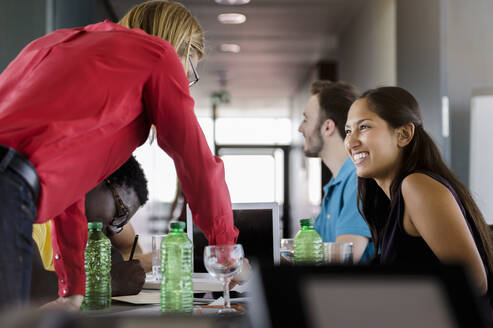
(259, 228)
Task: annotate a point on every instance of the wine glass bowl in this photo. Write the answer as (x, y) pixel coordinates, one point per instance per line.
(287, 250)
(223, 262)
(221, 271)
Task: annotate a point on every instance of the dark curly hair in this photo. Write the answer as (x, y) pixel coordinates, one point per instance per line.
(131, 175)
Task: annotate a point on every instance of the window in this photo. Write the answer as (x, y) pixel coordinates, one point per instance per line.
(314, 181)
(254, 175)
(160, 169)
(253, 131)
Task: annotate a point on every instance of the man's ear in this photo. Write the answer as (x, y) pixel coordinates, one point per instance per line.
(405, 134)
(328, 128)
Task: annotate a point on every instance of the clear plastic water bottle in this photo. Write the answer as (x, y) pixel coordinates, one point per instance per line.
(98, 266)
(307, 244)
(176, 271)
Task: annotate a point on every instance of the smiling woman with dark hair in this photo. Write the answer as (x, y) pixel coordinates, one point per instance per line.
(417, 210)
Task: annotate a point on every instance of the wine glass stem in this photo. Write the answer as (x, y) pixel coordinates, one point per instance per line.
(227, 303)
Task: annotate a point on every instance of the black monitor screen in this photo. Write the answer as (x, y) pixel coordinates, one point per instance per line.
(256, 236)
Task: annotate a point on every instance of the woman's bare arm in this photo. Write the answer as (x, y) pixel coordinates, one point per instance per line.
(432, 212)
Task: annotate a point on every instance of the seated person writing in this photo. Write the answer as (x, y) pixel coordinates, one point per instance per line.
(124, 241)
(113, 202)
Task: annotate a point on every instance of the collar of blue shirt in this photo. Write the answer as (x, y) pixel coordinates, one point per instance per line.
(346, 169)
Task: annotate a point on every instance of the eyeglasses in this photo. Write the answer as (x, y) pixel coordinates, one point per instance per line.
(122, 211)
(195, 74)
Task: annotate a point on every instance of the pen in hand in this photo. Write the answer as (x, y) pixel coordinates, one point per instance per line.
(133, 248)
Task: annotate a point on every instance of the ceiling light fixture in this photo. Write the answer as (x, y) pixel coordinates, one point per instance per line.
(230, 47)
(232, 2)
(231, 18)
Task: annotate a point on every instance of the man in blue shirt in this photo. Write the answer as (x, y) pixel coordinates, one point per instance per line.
(323, 124)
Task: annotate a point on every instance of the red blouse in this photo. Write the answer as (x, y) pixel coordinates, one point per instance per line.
(77, 102)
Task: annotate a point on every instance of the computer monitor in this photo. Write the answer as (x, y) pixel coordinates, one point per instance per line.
(362, 296)
(258, 224)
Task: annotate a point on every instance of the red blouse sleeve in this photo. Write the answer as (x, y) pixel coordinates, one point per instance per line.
(69, 238)
(201, 175)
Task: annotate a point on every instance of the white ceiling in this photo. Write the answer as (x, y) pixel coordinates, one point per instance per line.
(280, 41)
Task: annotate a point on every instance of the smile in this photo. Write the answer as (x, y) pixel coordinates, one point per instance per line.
(359, 157)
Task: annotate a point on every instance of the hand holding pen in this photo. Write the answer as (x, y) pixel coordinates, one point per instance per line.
(128, 277)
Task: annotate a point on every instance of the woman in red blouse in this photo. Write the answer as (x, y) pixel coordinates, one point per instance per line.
(75, 104)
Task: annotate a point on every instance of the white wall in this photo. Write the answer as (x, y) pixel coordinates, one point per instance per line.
(367, 47)
(421, 61)
(469, 66)
(481, 175)
(433, 48)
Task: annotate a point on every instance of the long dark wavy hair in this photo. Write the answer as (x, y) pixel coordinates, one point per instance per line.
(398, 107)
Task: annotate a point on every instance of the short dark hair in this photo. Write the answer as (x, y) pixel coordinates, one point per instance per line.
(131, 175)
(335, 99)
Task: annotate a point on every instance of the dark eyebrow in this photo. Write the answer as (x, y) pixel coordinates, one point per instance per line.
(361, 121)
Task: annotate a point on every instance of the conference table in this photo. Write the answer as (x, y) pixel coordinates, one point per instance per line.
(145, 306)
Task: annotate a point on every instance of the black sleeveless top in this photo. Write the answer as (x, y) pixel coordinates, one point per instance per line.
(400, 248)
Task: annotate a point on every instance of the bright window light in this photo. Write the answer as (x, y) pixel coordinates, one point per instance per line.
(207, 126)
(279, 191)
(250, 178)
(314, 180)
(159, 170)
(266, 185)
(253, 131)
(159, 167)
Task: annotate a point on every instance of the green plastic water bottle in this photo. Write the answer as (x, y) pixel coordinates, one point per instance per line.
(307, 244)
(98, 266)
(176, 271)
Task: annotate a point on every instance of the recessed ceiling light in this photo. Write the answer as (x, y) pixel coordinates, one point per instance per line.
(231, 18)
(232, 2)
(230, 47)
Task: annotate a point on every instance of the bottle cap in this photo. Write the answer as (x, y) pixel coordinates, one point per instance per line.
(95, 225)
(178, 225)
(307, 222)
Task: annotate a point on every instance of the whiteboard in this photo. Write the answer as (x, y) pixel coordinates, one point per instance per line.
(481, 154)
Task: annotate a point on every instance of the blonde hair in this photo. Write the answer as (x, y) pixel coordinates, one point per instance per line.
(170, 21)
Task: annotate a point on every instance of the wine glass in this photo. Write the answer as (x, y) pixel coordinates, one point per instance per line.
(223, 262)
(287, 250)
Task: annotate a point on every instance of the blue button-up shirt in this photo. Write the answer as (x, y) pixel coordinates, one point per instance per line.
(339, 214)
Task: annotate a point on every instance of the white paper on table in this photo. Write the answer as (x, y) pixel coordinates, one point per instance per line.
(219, 301)
(202, 283)
(144, 297)
(153, 297)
